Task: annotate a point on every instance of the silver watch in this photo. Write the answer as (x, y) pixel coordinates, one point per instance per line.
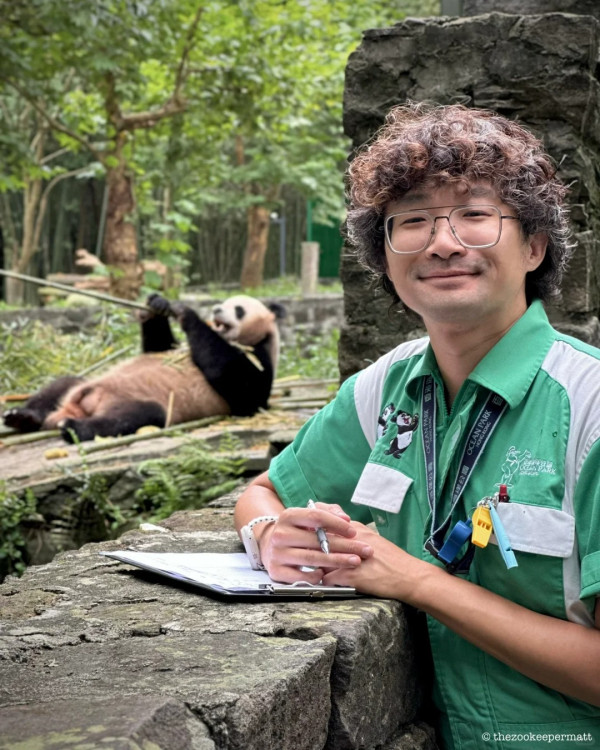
(250, 543)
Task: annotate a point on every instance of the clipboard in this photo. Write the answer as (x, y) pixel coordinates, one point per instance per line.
(226, 574)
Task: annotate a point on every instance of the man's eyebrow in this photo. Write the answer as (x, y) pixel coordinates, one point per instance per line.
(476, 191)
(414, 198)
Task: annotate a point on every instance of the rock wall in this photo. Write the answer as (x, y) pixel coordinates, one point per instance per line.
(94, 654)
(526, 7)
(541, 69)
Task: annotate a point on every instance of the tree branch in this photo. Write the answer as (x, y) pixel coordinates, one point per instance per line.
(182, 67)
(138, 120)
(176, 103)
(55, 124)
(111, 102)
(55, 155)
(37, 231)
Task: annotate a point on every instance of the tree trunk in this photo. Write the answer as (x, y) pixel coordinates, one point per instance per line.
(32, 192)
(256, 247)
(120, 241)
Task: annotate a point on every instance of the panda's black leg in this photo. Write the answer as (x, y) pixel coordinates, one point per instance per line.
(122, 419)
(31, 416)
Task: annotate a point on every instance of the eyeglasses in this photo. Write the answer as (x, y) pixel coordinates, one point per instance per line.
(474, 226)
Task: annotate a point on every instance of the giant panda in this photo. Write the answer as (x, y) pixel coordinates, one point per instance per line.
(227, 368)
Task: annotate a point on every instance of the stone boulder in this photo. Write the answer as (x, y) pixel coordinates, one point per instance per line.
(96, 654)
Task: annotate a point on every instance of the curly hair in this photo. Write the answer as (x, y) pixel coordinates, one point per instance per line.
(434, 145)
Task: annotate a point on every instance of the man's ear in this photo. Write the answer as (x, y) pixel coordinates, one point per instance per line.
(537, 245)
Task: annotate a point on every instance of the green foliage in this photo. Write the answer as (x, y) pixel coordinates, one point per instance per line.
(262, 83)
(14, 509)
(310, 356)
(33, 353)
(189, 479)
(95, 491)
(284, 286)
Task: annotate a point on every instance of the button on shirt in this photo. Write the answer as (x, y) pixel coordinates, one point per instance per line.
(545, 448)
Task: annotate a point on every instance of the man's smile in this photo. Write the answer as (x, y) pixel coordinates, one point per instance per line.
(447, 273)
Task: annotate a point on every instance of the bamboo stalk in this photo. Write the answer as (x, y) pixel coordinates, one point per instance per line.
(170, 408)
(103, 361)
(294, 380)
(278, 400)
(74, 290)
(30, 437)
(165, 432)
(302, 405)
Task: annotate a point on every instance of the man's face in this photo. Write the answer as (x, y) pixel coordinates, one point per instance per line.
(448, 283)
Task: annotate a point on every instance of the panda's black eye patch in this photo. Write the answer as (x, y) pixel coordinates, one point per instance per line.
(239, 312)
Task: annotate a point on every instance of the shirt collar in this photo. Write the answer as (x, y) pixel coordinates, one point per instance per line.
(426, 365)
(510, 366)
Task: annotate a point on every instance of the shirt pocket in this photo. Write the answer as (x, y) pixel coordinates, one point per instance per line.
(382, 488)
(537, 529)
(546, 579)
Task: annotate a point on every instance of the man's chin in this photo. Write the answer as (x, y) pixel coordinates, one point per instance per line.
(451, 309)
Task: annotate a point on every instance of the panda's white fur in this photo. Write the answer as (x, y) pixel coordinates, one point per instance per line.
(181, 384)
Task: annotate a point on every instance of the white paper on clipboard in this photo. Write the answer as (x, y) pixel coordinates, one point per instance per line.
(228, 574)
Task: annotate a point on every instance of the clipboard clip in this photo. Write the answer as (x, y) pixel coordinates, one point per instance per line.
(304, 588)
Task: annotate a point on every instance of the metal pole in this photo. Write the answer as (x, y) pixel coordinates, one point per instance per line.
(73, 290)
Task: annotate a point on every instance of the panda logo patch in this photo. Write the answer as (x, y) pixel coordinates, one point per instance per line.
(383, 420)
(406, 424)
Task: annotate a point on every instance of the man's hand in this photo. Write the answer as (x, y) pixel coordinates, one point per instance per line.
(290, 545)
(390, 572)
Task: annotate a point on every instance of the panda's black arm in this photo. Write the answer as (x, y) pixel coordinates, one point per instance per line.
(157, 335)
(243, 384)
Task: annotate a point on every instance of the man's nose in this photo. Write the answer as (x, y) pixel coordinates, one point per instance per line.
(443, 241)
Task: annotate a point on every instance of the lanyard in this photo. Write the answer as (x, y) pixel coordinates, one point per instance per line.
(479, 435)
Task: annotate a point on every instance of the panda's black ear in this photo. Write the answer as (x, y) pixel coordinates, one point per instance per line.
(279, 310)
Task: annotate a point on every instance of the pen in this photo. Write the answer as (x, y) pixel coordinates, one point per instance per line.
(321, 535)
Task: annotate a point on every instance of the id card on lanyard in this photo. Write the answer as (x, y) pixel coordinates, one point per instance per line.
(480, 433)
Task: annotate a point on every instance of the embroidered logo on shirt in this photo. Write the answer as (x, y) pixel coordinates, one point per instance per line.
(523, 463)
(383, 420)
(406, 424)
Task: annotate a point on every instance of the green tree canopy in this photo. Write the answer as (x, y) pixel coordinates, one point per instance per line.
(221, 103)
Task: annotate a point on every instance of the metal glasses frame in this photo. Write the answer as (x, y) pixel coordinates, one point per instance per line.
(426, 212)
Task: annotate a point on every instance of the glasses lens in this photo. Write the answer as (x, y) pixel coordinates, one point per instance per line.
(473, 226)
(476, 226)
(409, 232)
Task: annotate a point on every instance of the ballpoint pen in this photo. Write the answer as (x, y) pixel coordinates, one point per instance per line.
(321, 535)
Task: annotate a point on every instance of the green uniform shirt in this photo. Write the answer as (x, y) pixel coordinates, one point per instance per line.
(364, 451)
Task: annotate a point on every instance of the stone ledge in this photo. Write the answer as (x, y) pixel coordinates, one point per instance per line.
(109, 654)
(116, 723)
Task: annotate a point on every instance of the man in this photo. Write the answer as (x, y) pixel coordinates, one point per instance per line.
(492, 422)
